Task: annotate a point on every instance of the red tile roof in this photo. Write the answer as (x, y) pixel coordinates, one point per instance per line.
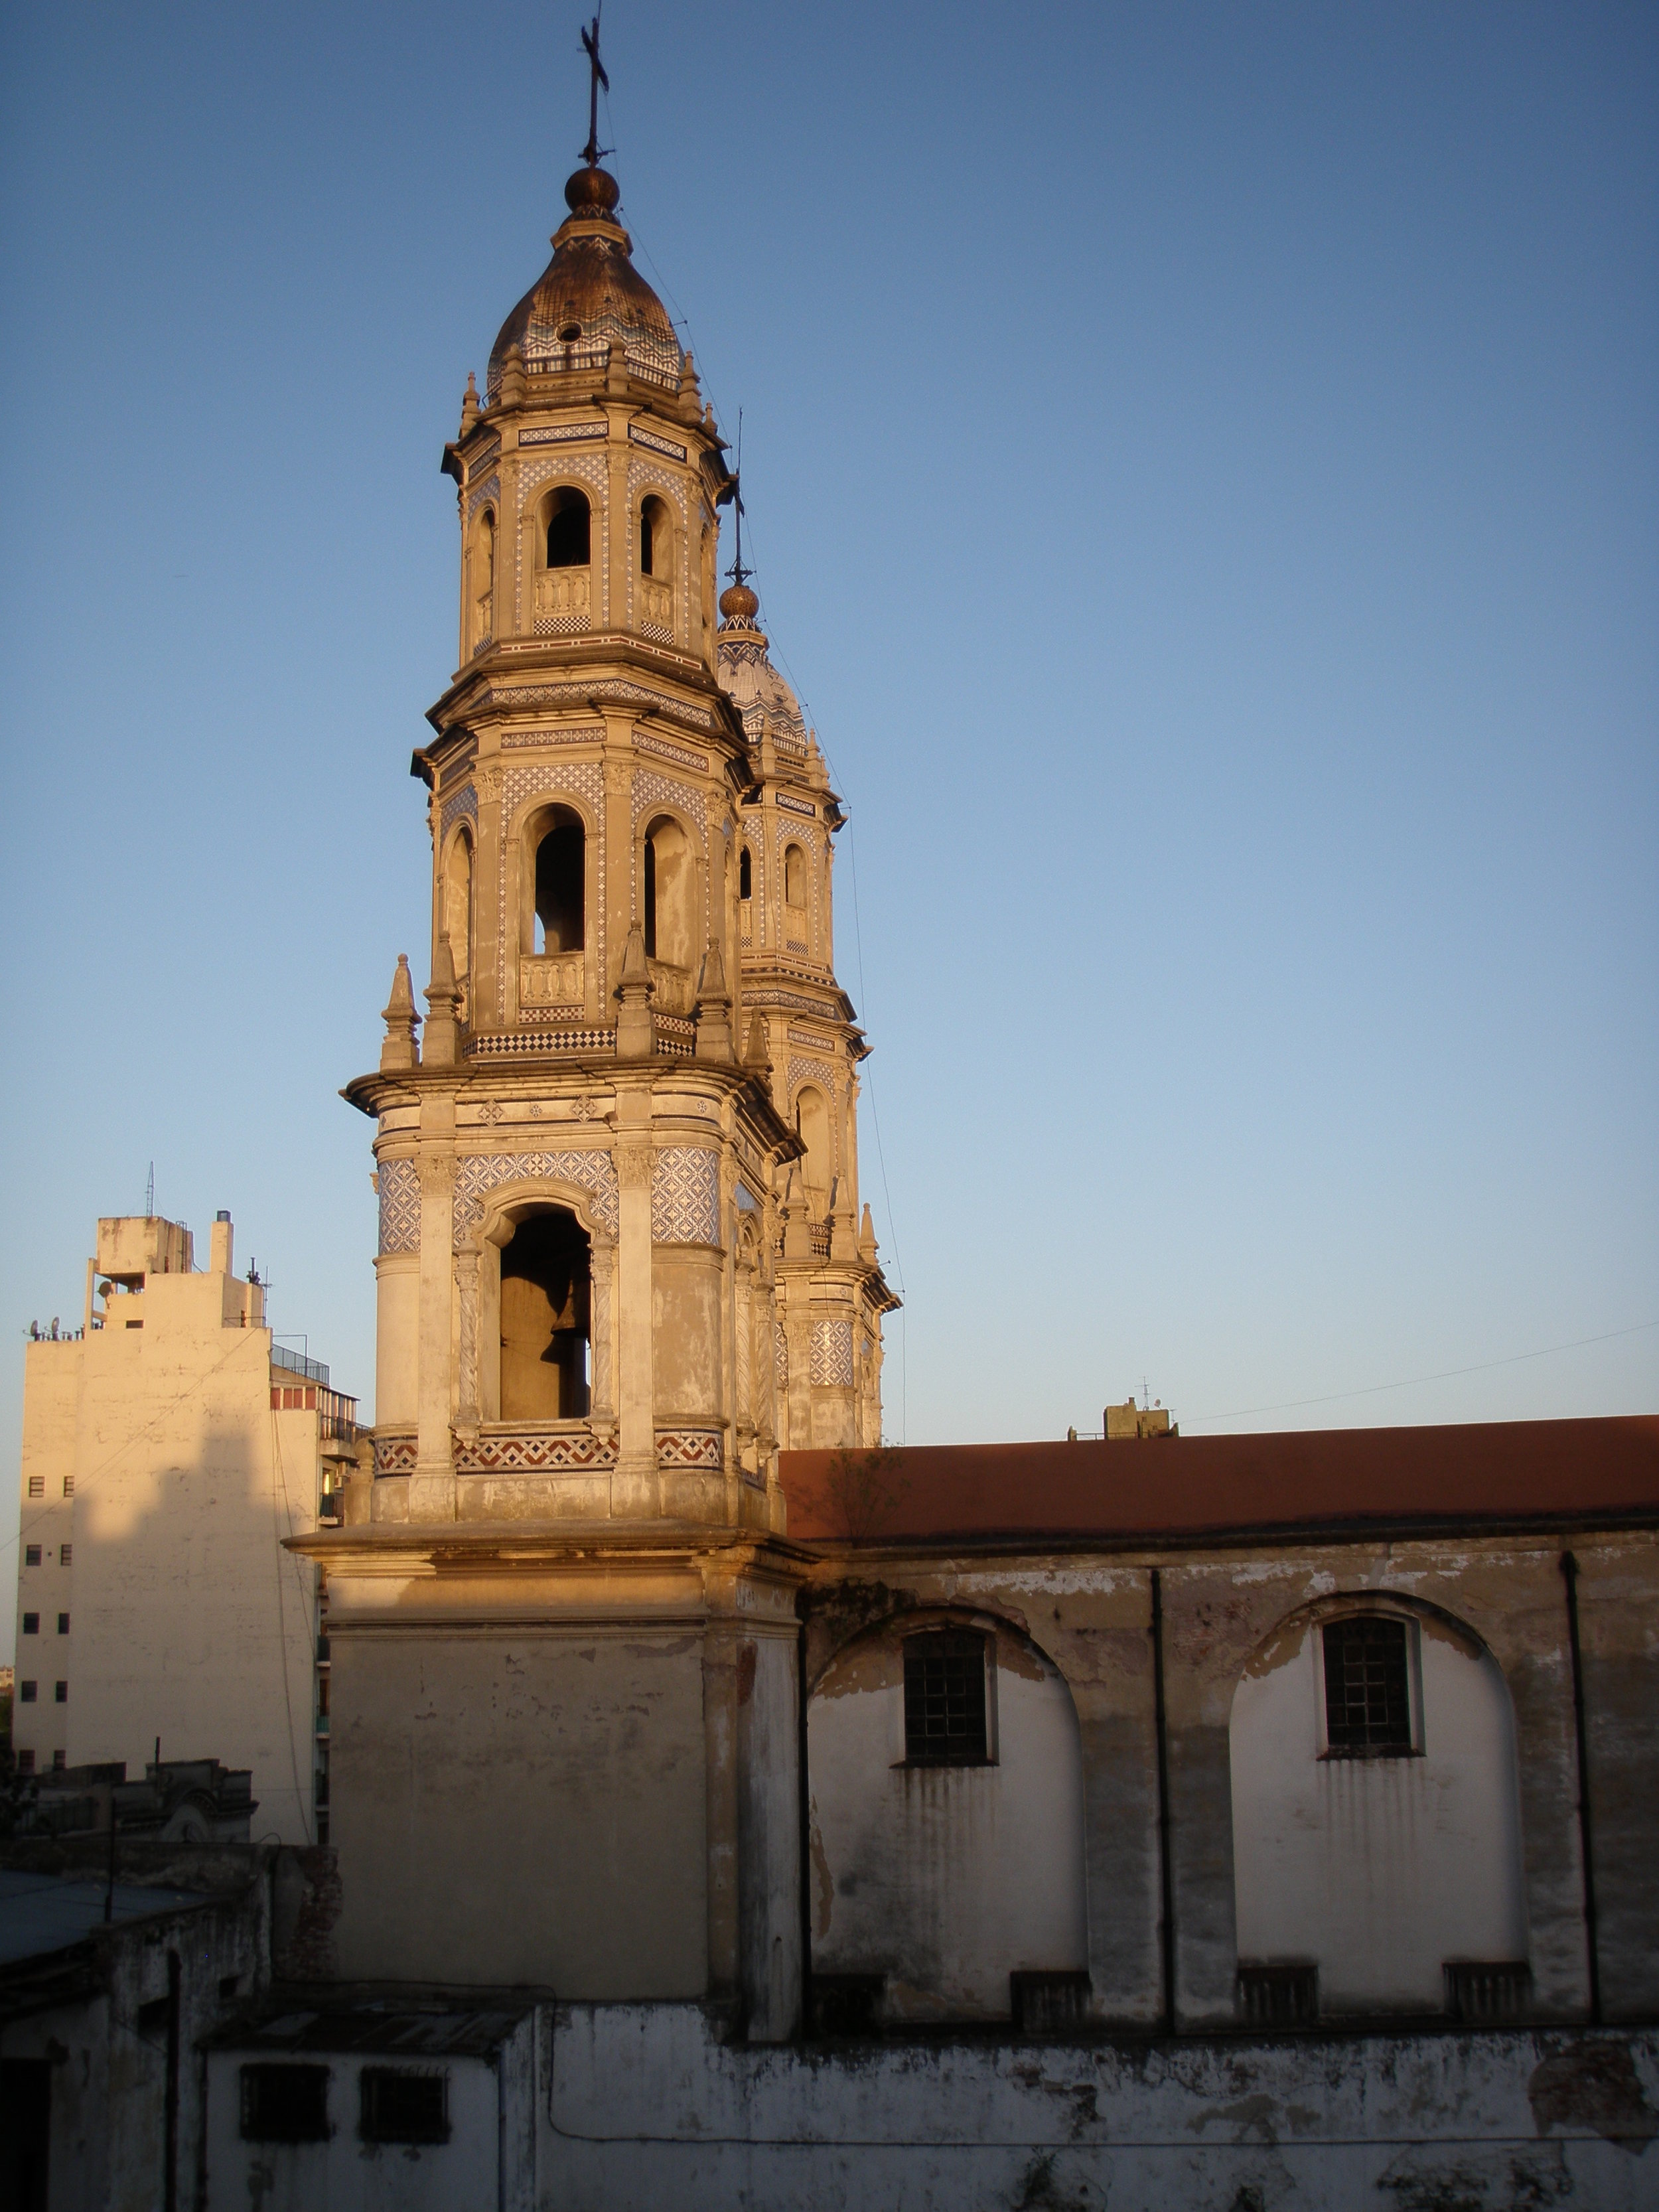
(1499, 1473)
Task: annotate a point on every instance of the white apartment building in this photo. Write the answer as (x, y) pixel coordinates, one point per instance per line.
(169, 1447)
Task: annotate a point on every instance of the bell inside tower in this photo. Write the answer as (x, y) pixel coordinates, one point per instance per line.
(546, 1276)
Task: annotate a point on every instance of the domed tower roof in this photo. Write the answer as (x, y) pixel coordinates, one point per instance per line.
(764, 700)
(590, 294)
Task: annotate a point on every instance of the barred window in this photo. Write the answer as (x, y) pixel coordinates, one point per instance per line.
(284, 2103)
(945, 1698)
(1368, 1712)
(403, 2107)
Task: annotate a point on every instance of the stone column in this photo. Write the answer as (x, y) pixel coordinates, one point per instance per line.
(466, 1278)
(719, 1708)
(635, 1487)
(601, 1323)
(432, 1486)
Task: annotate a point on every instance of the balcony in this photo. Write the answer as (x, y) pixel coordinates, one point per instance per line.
(563, 599)
(656, 609)
(676, 987)
(552, 979)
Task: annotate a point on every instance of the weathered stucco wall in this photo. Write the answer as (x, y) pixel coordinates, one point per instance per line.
(646, 2109)
(1377, 1870)
(945, 1879)
(522, 1807)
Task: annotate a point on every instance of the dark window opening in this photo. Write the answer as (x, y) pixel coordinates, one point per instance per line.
(645, 540)
(26, 2132)
(945, 1698)
(229, 1985)
(63, 1624)
(1477, 1990)
(846, 2004)
(1368, 1712)
(1279, 1996)
(31, 1623)
(284, 2103)
(65, 1553)
(26, 1762)
(1048, 2003)
(60, 1693)
(651, 898)
(545, 1277)
(569, 530)
(745, 874)
(31, 1555)
(399, 2107)
(60, 1761)
(28, 1692)
(561, 886)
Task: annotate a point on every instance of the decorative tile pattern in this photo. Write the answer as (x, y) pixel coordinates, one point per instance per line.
(463, 806)
(532, 1451)
(651, 789)
(703, 1448)
(484, 493)
(685, 1196)
(561, 695)
(399, 1183)
(646, 742)
(796, 806)
(832, 1353)
(395, 1454)
(506, 1044)
(649, 438)
(482, 456)
(780, 1355)
(476, 1174)
(561, 434)
(811, 1040)
(584, 733)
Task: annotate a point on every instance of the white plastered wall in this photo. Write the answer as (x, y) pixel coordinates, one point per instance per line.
(1377, 1870)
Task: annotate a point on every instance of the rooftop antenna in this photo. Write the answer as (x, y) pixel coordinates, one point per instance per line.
(737, 572)
(1145, 1396)
(150, 1193)
(592, 151)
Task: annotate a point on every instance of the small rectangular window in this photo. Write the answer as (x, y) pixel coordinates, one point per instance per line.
(65, 1555)
(37, 1486)
(1279, 1996)
(945, 1698)
(68, 1485)
(31, 1555)
(403, 2107)
(285, 2104)
(60, 1761)
(26, 1762)
(31, 1623)
(63, 1624)
(1367, 1707)
(28, 1692)
(60, 1693)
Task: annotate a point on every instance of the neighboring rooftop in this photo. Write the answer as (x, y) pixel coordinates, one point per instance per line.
(43, 1913)
(379, 2024)
(1185, 1489)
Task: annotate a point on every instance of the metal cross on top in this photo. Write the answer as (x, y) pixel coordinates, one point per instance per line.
(737, 572)
(591, 48)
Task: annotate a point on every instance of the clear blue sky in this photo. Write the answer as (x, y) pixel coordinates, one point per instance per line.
(1202, 462)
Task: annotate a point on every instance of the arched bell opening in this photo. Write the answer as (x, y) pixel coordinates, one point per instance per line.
(562, 542)
(656, 569)
(456, 913)
(558, 882)
(812, 1127)
(668, 915)
(545, 1328)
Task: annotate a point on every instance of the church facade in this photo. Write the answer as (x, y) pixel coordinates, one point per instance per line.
(1239, 1823)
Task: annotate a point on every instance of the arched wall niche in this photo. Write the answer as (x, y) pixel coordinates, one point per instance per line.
(457, 911)
(946, 1874)
(1375, 1803)
(671, 907)
(812, 1127)
(563, 1291)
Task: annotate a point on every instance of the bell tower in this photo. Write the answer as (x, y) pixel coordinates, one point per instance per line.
(587, 1205)
(622, 1263)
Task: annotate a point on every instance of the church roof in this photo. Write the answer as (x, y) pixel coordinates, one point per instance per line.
(1175, 1489)
(591, 293)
